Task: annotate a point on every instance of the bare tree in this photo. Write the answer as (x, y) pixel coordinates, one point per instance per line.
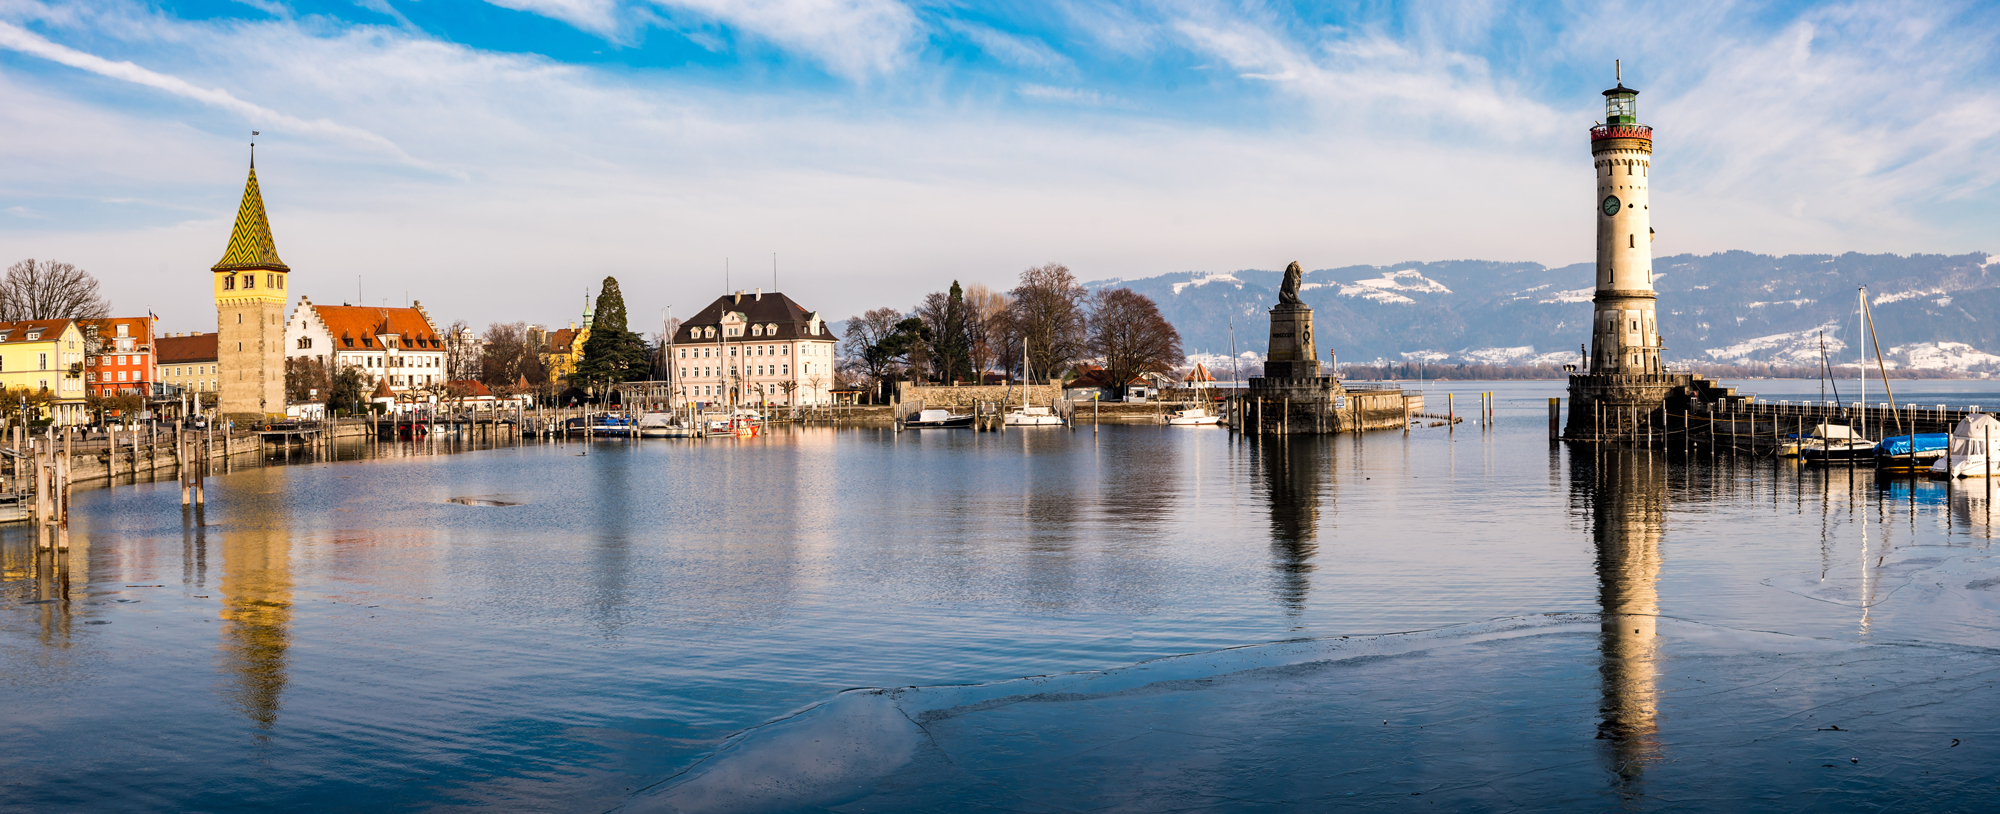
(862, 352)
(508, 356)
(991, 330)
(461, 352)
(50, 289)
(1049, 314)
(1127, 330)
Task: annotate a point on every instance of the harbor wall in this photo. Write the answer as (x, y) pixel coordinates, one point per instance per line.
(961, 399)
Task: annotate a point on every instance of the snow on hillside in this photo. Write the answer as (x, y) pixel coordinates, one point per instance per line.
(1384, 289)
(1796, 347)
(1217, 277)
(1570, 296)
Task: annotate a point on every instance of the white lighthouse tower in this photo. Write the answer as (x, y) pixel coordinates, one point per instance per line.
(1623, 391)
(1625, 338)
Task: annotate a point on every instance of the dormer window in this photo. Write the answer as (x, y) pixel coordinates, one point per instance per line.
(6, 335)
(34, 335)
(124, 330)
(771, 329)
(756, 330)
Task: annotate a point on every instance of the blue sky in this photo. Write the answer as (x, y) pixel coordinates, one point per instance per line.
(496, 159)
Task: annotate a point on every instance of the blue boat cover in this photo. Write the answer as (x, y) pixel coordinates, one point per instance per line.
(1925, 442)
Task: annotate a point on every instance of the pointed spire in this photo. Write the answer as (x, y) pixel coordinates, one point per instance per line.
(250, 244)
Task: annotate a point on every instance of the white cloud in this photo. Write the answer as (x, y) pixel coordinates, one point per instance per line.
(852, 38)
(1071, 96)
(595, 16)
(15, 38)
(1021, 52)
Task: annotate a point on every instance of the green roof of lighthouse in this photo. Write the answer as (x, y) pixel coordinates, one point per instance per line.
(250, 244)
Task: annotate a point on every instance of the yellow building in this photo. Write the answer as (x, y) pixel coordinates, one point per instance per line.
(45, 356)
(562, 349)
(249, 284)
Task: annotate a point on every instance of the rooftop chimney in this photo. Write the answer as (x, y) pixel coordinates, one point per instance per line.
(760, 293)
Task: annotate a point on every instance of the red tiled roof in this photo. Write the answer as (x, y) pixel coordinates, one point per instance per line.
(355, 326)
(472, 387)
(140, 328)
(185, 350)
(46, 329)
(560, 341)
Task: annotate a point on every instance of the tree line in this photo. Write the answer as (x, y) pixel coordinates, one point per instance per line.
(1048, 321)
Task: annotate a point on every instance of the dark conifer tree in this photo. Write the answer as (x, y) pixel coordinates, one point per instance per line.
(612, 354)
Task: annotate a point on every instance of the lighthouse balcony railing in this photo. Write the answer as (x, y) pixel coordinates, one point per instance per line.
(1605, 131)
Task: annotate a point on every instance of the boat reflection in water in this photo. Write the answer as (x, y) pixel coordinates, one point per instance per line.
(256, 596)
(1293, 468)
(1624, 494)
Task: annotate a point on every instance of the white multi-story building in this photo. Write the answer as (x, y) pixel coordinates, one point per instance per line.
(396, 346)
(754, 348)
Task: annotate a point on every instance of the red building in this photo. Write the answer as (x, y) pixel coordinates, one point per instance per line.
(124, 362)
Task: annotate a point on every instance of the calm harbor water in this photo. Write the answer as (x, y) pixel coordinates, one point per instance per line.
(589, 626)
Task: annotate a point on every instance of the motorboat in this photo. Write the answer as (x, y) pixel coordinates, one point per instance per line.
(1966, 455)
(1911, 452)
(613, 425)
(938, 420)
(664, 425)
(1835, 442)
(1192, 417)
(1026, 416)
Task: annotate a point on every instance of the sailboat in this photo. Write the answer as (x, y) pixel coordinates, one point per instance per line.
(1029, 416)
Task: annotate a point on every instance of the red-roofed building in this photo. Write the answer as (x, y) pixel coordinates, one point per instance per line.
(188, 361)
(124, 361)
(397, 348)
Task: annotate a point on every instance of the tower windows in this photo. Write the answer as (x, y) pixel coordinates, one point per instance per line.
(249, 281)
(229, 283)
(1631, 241)
(239, 321)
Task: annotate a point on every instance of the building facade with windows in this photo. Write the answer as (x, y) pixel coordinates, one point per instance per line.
(188, 361)
(45, 356)
(754, 349)
(394, 347)
(124, 362)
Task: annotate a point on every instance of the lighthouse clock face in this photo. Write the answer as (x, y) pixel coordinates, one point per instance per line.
(1611, 205)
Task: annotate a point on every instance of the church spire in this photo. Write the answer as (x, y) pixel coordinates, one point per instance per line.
(250, 244)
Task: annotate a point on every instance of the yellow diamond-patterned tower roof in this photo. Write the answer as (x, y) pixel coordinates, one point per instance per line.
(250, 244)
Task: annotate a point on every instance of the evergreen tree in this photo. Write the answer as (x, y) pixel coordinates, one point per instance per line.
(955, 340)
(612, 354)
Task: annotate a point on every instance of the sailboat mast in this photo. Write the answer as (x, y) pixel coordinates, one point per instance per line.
(1880, 367)
(1861, 406)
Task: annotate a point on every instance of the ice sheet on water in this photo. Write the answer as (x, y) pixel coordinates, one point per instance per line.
(1533, 712)
(1918, 579)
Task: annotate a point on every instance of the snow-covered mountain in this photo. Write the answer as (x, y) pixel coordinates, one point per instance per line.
(1931, 311)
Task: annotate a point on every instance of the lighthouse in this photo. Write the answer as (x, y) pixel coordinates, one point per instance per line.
(1624, 392)
(1625, 336)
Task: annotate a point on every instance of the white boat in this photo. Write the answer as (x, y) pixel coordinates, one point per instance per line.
(1967, 457)
(664, 425)
(1026, 416)
(1835, 442)
(1817, 439)
(1193, 417)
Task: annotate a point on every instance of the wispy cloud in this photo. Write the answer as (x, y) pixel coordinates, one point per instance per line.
(21, 40)
(857, 39)
(598, 17)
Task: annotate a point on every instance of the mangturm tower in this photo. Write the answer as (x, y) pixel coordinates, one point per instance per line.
(250, 314)
(1623, 384)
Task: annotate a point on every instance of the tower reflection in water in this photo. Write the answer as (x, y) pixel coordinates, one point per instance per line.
(256, 594)
(1293, 468)
(1624, 495)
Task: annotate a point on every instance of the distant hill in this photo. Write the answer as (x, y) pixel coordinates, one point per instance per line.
(1931, 311)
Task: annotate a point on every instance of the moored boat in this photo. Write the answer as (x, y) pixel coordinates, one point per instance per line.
(1025, 416)
(1911, 452)
(938, 420)
(1966, 455)
(1192, 417)
(664, 425)
(1835, 442)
